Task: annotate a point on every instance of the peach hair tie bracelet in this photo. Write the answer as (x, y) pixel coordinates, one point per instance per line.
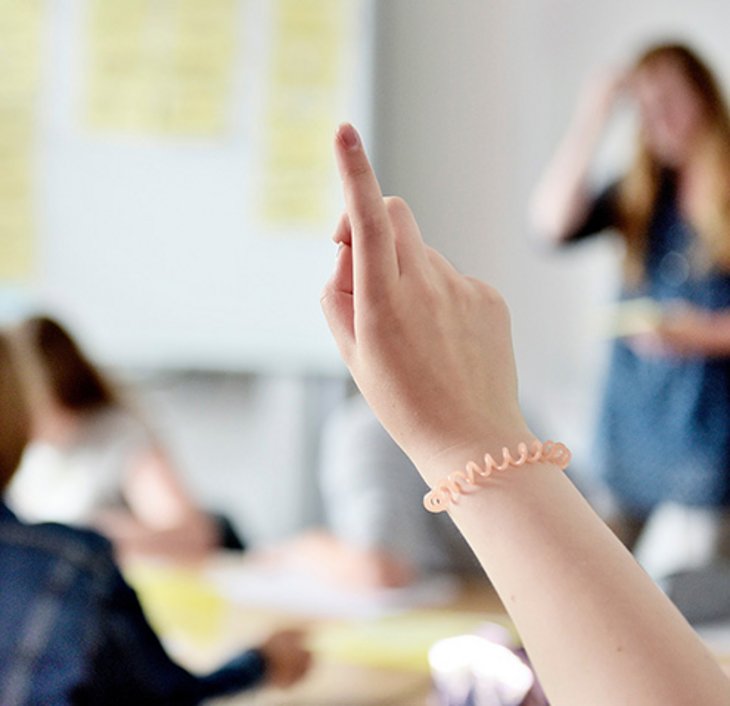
(473, 476)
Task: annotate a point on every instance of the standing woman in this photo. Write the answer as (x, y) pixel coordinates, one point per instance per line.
(91, 460)
(664, 436)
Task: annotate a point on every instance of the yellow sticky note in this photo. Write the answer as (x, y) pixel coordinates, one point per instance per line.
(20, 61)
(165, 68)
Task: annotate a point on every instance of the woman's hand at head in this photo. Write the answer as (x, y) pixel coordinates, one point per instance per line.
(429, 348)
(603, 90)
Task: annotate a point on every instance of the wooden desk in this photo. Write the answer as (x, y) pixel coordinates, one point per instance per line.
(332, 681)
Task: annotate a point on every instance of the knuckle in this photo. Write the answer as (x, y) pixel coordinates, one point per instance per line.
(357, 170)
(435, 259)
(488, 297)
(326, 293)
(499, 306)
(323, 296)
(370, 222)
(396, 206)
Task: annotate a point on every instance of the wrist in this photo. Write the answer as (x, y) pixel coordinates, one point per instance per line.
(455, 457)
(477, 475)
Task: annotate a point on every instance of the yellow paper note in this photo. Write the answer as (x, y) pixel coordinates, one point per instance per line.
(161, 66)
(21, 25)
(311, 52)
(179, 603)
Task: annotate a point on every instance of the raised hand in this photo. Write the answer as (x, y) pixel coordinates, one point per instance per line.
(429, 348)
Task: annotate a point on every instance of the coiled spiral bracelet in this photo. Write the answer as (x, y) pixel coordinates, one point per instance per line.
(473, 476)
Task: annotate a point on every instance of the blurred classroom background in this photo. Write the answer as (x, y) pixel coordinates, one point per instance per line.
(168, 191)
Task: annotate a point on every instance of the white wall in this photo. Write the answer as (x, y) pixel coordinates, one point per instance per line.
(471, 97)
(245, 445)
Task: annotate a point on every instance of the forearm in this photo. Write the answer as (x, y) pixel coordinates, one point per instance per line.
(715, 337)
(697, 332)
(597, 629)
(562, 197)
(132, 536)
(246, 671)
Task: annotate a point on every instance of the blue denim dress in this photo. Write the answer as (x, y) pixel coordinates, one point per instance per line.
(664, 430)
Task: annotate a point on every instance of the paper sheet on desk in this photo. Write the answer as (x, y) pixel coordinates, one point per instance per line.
(300, 593)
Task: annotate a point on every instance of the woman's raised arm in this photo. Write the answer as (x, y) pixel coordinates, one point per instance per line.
(561, 199)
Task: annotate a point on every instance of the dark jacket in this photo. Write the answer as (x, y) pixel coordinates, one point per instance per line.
(73, 632)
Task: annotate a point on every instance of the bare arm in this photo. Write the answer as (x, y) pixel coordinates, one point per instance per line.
(597, 629)
(561, 199)
(162, 518)
(696, 332)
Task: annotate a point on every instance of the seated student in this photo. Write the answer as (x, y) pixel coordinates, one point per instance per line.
(92, 461)
(376, 534)
(431, 352)
(73, 632)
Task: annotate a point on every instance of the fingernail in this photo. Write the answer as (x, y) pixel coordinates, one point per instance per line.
(348, 136)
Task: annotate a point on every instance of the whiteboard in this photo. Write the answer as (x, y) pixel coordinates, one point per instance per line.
(151, 246)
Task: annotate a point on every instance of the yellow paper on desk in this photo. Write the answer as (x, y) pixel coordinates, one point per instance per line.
(178, 602)
(396, 642)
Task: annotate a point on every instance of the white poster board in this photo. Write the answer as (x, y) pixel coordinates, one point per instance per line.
(165, 245)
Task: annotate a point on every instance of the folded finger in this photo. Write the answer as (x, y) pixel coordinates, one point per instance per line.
(343, 232)
(409, 243)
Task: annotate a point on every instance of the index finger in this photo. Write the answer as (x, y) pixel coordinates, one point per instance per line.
(375, 262)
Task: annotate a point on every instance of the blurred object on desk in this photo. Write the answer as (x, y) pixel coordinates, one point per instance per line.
(303, 593)
(471, 670)
(395, 642)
